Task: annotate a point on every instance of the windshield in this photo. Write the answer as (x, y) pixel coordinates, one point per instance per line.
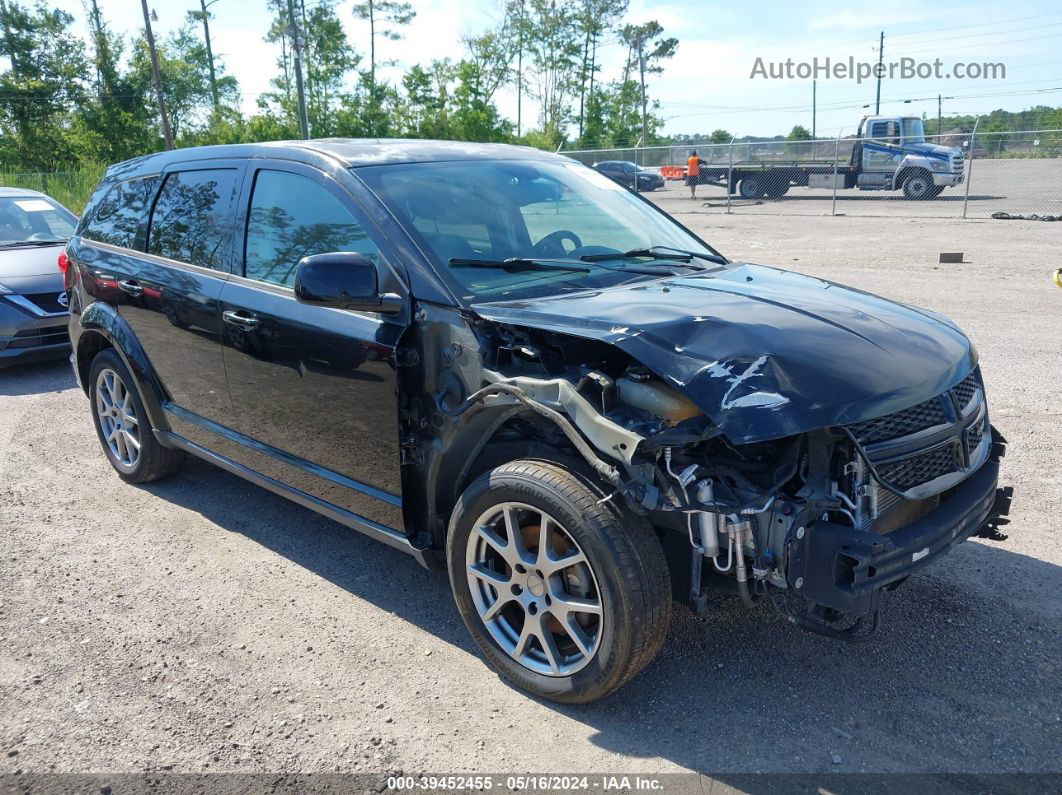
(913, 131)
(496, 210)
(33, 219)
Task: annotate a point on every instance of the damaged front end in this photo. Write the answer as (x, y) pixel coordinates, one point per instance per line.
(819, 522)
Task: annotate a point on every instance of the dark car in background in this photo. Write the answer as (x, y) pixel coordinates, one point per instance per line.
(499, 359)
(33, 301)
(625, 173)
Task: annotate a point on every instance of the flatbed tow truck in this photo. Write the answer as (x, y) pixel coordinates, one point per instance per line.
(892, 155)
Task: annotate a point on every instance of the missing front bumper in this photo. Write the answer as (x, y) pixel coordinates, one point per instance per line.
(846, 569)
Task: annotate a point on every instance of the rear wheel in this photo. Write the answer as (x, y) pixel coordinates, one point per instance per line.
(566, 597)
(777, 187)
(122, 425)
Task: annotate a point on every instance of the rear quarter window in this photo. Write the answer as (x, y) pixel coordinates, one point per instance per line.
(120, 212)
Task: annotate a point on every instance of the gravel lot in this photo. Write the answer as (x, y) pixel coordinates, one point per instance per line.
(202, 624)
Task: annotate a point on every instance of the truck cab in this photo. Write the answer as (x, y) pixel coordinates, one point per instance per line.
(891, 152)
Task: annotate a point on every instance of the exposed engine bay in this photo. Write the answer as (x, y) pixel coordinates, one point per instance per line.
(736, 516)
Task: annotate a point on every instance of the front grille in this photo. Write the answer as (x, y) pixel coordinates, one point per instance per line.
(923, 467)
(965, 390)
(48, 302)
(974, 434)
(903, 423)
(949, 428)
(39, 337)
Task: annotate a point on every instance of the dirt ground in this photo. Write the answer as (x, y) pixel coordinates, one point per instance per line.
(202, 624)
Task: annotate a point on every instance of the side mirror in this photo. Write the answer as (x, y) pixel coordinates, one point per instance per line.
(343, 280)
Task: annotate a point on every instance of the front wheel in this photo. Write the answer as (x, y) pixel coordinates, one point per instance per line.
(920, 186)
(567, 597)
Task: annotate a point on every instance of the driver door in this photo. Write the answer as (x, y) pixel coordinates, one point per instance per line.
(882, 151)
(313, 388)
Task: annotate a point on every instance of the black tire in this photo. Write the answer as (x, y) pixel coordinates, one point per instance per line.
(626, 564)
(777, 185)
(754, 187)
(919, 186)
(153, 460)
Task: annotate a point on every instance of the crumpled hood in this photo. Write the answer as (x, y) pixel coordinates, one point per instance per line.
(765, 353)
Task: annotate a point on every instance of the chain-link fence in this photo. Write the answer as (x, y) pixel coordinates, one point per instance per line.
(1019, 173)
(967, 175)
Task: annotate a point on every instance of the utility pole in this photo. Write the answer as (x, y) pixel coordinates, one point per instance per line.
(210, 54)
(296, 42)
(814, 105)
(156, 78)
(519, 67)
(881, 56)
(641, 74)
(940, 119)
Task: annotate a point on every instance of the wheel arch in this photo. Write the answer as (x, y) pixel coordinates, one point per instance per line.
(101, 328)
(489, 438)
(909, 169)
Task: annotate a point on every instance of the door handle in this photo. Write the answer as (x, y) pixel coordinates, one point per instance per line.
(239, 320)
(130, 286)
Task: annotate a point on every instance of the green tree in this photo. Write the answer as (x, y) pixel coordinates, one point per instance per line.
(647, 48)
(425, 113)
(46, 77)
(378, 13)
(595, 18)
(329, 60)
(720, 137)
(553, 46)
(116, 120)
(475, 117)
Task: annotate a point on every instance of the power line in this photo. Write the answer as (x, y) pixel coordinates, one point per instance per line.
(951, 28)
(981, 35)
(987, 43)
(979, 24)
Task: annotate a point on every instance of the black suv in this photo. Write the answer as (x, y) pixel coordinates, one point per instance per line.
(502, 359)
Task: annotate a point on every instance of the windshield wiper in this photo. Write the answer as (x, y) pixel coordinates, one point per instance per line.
(518, 264)
(656, 252)
(20, 243)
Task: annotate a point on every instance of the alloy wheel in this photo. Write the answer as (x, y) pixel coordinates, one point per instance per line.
(119, 423)
(534, 589)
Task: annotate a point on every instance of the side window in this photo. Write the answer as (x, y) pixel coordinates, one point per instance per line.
(885, 131)
(292, 217)
(120, 212)
(192, 219)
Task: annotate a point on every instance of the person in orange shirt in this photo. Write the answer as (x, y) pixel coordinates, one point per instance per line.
(693, 172)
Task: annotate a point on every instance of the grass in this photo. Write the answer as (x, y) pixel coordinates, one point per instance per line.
(70, 188)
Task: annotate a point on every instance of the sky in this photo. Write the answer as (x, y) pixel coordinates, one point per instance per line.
(709, 84)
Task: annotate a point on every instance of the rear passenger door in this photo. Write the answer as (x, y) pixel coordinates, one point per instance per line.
(171, 297)
(314, 388)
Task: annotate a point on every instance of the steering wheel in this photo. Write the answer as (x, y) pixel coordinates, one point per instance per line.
(552, 245)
